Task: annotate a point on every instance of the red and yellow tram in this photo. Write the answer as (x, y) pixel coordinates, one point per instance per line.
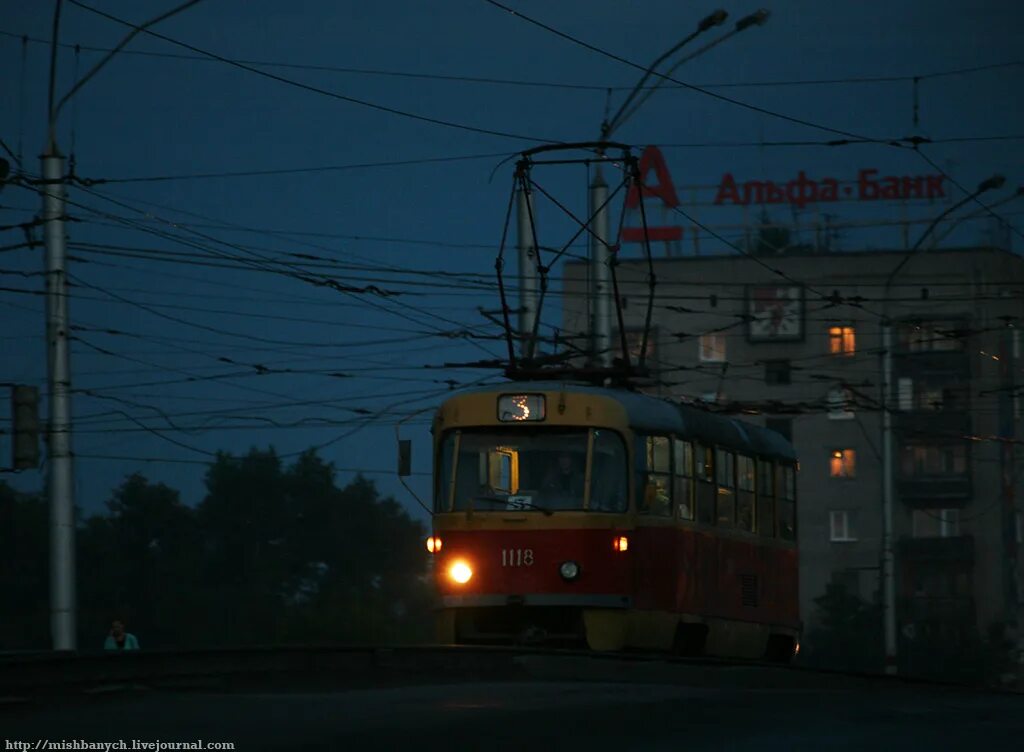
(568, 513)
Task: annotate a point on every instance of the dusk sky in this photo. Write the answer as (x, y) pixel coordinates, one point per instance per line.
(171, 265)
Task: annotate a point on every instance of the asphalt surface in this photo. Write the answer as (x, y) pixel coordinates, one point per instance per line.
(552, 705)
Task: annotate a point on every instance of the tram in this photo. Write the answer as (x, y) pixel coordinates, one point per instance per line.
(572, 514)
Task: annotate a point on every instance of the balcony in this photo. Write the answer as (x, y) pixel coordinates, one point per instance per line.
(913, 424)
(925, 490)
(959, 548)
(931, 364)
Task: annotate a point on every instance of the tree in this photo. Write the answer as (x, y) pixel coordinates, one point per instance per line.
(24, 568)
(139, 563)
(848, 632)
(272, 554)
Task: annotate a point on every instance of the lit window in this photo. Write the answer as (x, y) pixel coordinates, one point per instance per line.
(840, 524)
(842, 340)
(842, 463)
(712, 348)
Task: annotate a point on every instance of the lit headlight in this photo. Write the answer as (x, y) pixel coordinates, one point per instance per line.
(460, 572)
(569, 570)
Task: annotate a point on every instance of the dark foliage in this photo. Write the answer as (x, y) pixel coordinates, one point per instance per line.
(273, 554)
(848, 633)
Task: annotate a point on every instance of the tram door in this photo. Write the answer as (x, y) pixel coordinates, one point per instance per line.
(656, 554)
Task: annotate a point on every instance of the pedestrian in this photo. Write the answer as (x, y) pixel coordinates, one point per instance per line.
(118, 639)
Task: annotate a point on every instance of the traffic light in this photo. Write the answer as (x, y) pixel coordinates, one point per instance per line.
(25, 435)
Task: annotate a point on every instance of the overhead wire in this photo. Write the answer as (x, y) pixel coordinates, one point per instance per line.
(316, 89)
(600, 88)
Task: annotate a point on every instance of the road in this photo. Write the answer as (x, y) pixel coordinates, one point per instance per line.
(551, 704)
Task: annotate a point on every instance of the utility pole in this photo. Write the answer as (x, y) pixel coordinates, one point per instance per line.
(600, 276)
(60, 478)
(60, 485)
(527, 269)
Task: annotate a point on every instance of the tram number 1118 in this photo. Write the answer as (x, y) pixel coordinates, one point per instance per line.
(517, 557)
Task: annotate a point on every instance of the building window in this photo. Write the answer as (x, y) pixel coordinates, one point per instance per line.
(905, 393)
(842, 463)
(936, 523)
(926, 396)
(712, 348)
(840, 404)
(840, 525)
(842, 340)
(928, 336)
(777, 372)
(781, 426)
(927, 460)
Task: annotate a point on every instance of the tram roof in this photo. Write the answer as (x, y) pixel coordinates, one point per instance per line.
(648, 413)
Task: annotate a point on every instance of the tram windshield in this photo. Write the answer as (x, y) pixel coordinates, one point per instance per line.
(539, 471)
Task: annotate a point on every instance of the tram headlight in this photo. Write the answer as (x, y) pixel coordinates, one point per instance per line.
(460, 572)
(433, 544)
(569, 570)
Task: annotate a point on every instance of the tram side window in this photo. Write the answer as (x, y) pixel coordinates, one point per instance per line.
(787, 502)
(766, 498)
(704, 488)
(725, 472)
(682, 480)
(745, 493)
(656, 477)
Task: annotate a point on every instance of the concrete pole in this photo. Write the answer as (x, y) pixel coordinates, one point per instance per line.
(600, 257)
(528, 282)
(888, 556)
(60, 482)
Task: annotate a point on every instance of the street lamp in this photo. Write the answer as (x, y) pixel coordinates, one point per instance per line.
(708, 22)
(757, 18)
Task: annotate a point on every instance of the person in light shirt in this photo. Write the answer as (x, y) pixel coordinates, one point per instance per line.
(118, 639)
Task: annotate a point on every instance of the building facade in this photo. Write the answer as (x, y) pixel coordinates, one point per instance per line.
(795, 343)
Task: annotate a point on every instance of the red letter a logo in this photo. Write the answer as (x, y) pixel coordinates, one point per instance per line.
(652, 158)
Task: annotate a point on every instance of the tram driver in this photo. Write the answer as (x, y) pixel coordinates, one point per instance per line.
(563, 481)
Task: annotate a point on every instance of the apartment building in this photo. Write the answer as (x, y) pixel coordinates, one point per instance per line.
(795, 342)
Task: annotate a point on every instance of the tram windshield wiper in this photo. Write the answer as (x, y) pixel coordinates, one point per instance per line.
(519, 503)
